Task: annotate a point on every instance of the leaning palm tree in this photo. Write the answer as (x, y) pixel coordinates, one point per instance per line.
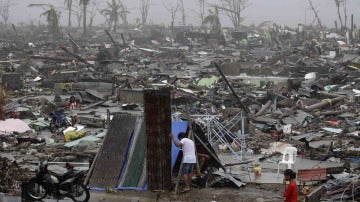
(52, 18)
(84, 3)
(68, 4)
(214, 20)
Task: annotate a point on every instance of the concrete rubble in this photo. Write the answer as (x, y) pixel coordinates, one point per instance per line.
(274, 88)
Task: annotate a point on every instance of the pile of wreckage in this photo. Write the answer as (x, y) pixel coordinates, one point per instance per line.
(299, 87)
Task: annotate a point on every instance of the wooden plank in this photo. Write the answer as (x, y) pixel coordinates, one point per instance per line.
(315, 195)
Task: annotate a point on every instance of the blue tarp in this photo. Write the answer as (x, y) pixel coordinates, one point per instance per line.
(176, 128)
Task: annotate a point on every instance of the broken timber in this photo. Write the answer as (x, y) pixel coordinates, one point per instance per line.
(43, 57)
(76, 56)
(112, 41)
(264, 108)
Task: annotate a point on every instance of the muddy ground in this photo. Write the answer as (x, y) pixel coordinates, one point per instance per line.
(252, 192)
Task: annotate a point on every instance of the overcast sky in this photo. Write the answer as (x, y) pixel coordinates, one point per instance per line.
(284, 12)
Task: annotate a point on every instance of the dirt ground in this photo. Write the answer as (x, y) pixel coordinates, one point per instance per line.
(252, 192)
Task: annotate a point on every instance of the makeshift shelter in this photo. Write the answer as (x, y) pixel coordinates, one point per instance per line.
(121, 161)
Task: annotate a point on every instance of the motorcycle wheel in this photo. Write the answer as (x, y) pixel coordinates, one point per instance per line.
(52, 126)
(80, 193)
(36, 191)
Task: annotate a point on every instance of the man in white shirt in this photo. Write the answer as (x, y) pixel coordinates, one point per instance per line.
(189, 158)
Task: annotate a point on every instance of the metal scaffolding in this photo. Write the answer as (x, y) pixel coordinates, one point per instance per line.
(221, 133)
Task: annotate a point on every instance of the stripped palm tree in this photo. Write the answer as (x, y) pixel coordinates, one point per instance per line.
(52, 18)
(112, 12)
(339, 4)
(84, 3)
(68, 4)
(214, 20)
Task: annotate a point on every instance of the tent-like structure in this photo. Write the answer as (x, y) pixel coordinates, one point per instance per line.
(121, 161)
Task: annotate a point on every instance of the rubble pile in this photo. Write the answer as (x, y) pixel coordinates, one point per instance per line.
(11, 176)
(343, 188)
(298, 87)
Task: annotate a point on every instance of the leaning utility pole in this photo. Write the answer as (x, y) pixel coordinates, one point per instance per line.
(242, 105)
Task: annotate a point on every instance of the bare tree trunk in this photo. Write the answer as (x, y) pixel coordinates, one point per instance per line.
(315, 13)
(202, 11)
(144, 8)
(115, 26)
(69, 20)
(183, 14)
(345, 14)
(84, 18)
(172, 10)
(336, 26)
(339, 15)
(5, 10)
(79, 19)
(233, 9)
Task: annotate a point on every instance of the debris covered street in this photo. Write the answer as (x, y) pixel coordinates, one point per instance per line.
(255, 100)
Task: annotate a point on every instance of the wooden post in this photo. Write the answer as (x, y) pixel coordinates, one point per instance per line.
(123, 39)
(336, 26)
(352, 29)
(112, 41)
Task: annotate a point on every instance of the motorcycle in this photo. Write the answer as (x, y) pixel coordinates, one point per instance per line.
(69, 185)
(58, 120)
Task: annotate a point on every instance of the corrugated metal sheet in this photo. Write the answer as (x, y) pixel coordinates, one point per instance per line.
(113, 152)
(158, 128)
(213, 179)
(134, 173)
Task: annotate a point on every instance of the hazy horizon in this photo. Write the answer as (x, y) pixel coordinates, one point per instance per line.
(282, 12)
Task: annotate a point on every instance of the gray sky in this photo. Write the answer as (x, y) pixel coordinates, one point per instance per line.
(287, 12)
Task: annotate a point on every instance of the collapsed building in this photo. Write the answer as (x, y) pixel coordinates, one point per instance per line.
(248, 96)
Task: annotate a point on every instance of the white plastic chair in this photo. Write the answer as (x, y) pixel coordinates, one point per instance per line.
(289, 158)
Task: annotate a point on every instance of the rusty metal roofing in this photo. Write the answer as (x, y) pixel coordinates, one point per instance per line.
(158, 128)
